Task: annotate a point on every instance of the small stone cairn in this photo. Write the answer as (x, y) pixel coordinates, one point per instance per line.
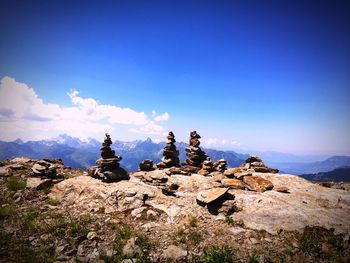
(220, 165)
(195, 155)
(207, 167)
(108, 168)
(254, 163)
(146, 166)
(170, 154)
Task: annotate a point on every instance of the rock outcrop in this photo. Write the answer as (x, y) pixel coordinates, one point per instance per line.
(306, 204)
(170, 154)
(108, 168)
(195, 155)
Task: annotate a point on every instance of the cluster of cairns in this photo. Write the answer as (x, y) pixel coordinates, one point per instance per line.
(108, 168)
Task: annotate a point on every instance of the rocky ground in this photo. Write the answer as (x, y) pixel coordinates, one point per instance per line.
(51, 213)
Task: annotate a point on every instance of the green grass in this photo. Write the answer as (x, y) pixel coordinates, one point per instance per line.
(53, 202)
(218, 255)
(15, 184)
(58, 227)
(76, 229)
(6, 212)
(194, 237)
(193, 220)
(254, 258)
(229, 220)
(179, 236)
(5, 239)
(311, 241)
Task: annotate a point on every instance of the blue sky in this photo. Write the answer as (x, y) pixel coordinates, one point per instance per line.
(262, 75)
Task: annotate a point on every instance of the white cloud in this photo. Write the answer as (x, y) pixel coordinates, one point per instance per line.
(162, 117)
(220, 142)
(24, 114)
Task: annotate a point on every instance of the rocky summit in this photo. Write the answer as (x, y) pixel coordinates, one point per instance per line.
(164, 215)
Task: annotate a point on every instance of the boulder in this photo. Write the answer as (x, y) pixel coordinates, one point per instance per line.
(257, 183)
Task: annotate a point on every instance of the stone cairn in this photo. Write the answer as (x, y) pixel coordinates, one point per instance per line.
(220, 165)
(254, 163)
(108, 168)
(170, 154)
(195, 155)
(146, 166)
(207, 167)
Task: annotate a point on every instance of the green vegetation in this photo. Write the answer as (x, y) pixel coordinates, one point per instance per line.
(15, 184)
(312, 238)
(122, 234)
(254, 258)
(195, 237)
(228, 220)
(6, 211)
(193, 220)
(179, 236)
(53, 202)
(4, 239)
(218, 255)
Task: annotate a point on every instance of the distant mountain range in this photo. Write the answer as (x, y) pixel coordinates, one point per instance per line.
(79, 153)
(83, 153)
(339, 174)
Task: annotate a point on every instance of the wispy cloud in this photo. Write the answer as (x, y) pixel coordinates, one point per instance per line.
(24, 114)
(217, 142)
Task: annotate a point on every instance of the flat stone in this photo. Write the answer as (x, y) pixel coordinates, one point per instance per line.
(38, 168)
(281, 188)
(233, 183)
(242, 174)
(215, 194)
(231, 172)
(257, 183)
(38, 183)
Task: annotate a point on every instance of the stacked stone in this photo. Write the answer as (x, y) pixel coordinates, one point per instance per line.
(255, 164)
(108, 169)
(207, 167)
(220, 166)
(170, 154)
(44, 168)
(146, 166)
(195, 155)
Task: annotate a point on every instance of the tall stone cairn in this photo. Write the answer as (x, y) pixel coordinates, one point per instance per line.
(170, 154)
(195, 155)
(108, 168)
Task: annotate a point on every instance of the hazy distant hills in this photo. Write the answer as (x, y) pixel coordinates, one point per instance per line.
(339, 174)
(312, 167)
(83, 153)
